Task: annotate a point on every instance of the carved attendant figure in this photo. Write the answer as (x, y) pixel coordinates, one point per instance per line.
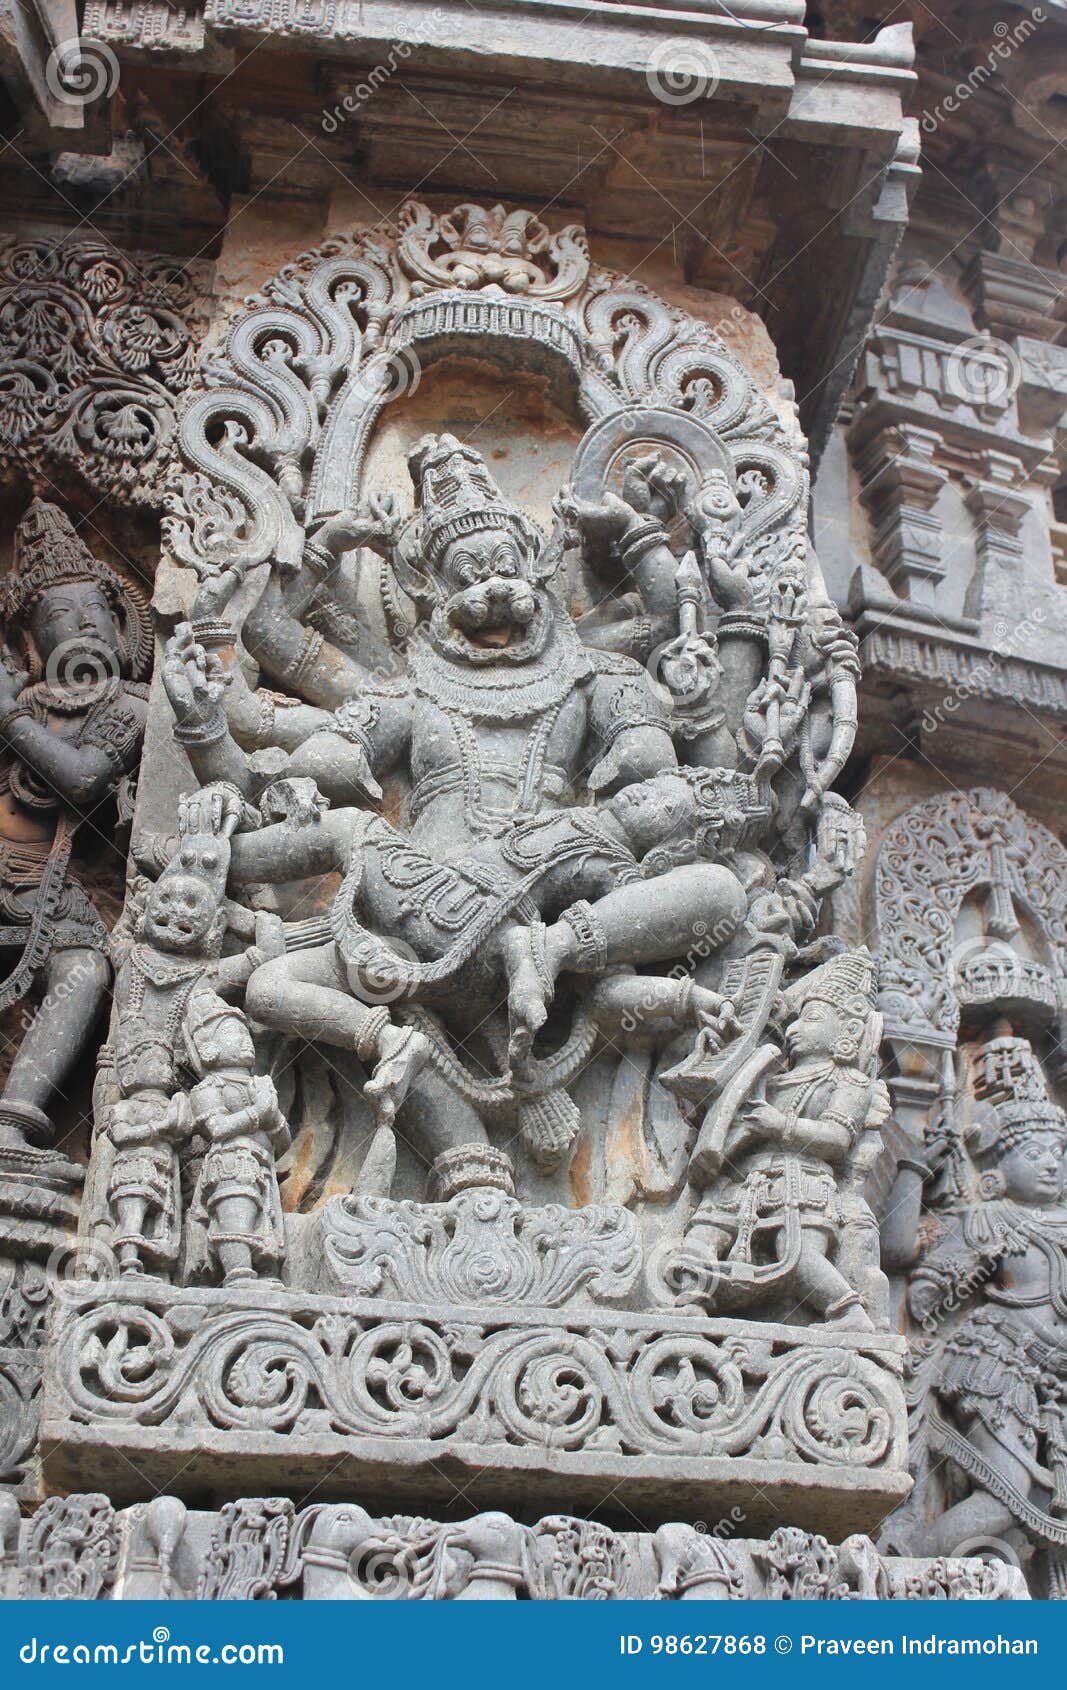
(776, 1218)
(1002, 1374)
(237, 1112)
(176, 950)
(71, 723)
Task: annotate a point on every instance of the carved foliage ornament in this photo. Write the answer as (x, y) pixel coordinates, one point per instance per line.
(95, 347)
(930, 860)
(275, 437)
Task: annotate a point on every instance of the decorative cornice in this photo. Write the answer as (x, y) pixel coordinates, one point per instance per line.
(940, 660)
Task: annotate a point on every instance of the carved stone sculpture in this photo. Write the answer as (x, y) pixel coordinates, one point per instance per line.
(540, 826)
(72, 710)
(96, 347)
(791, 1218)
(986, 1294)
(263, 1548)
(172, 1029)
(519, 1079)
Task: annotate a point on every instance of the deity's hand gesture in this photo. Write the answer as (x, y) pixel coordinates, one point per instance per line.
(834, 643)
(194, 679)
(214, 594)
(654, 487)
(599, 524)
(689, 668)
(775, 710)
(376, 524)
(714, 504)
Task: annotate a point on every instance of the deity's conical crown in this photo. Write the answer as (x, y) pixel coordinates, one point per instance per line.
(48, 553)
(456, 495)
(1009, 1076)
(847, 983)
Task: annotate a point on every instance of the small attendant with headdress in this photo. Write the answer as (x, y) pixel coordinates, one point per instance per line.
(1000, 1373)
(174, 952)
(778, 1217)
(72, 715)
(236, 1111)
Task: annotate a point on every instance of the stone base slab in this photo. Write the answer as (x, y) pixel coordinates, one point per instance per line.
(537, 1409)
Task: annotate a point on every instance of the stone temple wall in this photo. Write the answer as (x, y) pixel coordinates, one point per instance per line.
(531, 879)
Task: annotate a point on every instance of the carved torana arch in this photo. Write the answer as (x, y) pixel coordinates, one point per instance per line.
(929, 861)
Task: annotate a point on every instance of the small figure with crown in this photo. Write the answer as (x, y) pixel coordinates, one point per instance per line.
(997, 1377)
(174, 952)
(72, 714)
(236, 1111)
(781, 1161)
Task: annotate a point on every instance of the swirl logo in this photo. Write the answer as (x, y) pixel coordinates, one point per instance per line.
(390, 375)
(985, 1549)
(386, 1575)
(80, 671)
(680, 72)
(684, 670)
(81, 71)
(984, 372)
(381, 972)
(161, 1634)
(84, 1261)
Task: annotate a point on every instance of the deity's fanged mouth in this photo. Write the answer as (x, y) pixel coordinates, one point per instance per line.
(492, 639)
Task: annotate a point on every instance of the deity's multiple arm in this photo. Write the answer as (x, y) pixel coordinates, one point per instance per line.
(294, 654)
(281, 852)
(629, 731)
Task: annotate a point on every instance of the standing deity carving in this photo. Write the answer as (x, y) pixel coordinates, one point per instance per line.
(72, 713)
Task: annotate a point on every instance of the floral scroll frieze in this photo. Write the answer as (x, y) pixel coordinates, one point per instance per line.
(96, 348)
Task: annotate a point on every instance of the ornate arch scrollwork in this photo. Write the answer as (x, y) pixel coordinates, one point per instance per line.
(276, 435)
(930, 860)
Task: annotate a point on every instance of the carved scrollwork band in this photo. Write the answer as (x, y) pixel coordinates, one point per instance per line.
(374, 1371)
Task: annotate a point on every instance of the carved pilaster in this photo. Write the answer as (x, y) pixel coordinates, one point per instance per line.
(901, 484)
(1012, 296)
(998, 507)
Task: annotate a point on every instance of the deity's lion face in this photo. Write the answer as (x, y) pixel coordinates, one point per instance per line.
(180, 915)
(490, 598)
(76, 614)
(1032, 1171)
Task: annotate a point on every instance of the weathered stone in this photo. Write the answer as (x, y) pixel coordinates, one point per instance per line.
(520, 1076)
(260, 1548)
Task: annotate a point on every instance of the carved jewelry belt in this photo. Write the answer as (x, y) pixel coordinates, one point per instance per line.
(440, 783)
